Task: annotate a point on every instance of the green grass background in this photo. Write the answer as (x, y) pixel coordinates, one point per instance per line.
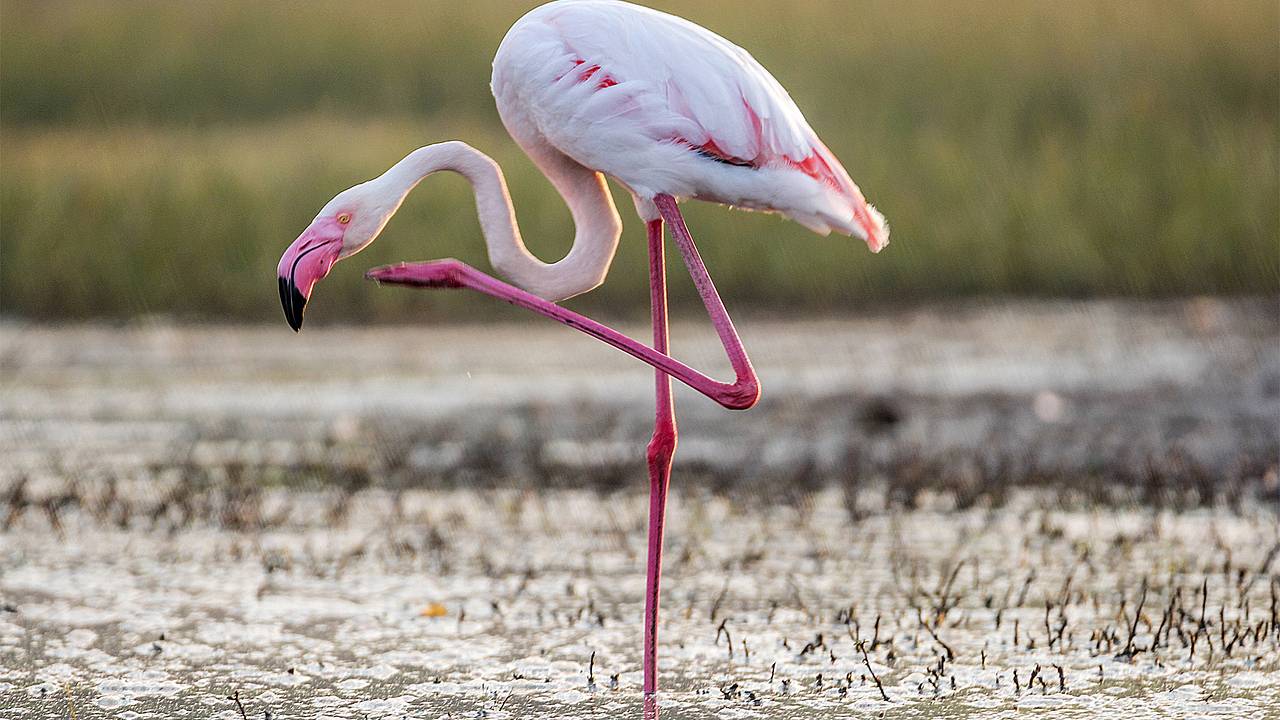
(157, 157)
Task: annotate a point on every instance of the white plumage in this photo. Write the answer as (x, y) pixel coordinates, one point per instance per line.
(666, 106)
(591, 88)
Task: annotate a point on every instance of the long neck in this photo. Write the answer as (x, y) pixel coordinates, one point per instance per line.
(596, 222)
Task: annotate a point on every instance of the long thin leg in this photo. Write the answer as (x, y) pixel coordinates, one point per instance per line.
(738, 395)
(661, 448)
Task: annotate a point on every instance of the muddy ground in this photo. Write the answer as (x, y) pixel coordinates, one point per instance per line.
(1045, 508)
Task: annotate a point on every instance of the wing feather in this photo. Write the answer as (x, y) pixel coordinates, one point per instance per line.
(710, 89)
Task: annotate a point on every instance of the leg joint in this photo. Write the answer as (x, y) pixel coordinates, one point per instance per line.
(663, 444)
(741, 395)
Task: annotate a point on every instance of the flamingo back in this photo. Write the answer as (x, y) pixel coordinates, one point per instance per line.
(666, 106)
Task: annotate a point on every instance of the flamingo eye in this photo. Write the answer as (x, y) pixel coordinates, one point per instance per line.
(344, 218)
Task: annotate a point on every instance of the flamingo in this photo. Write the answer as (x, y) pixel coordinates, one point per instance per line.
(668, 109)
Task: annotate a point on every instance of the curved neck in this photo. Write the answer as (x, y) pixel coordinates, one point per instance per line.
(596, 222)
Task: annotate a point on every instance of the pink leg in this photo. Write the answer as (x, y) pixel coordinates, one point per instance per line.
(661, 448)
(707, 290)
(738, 395)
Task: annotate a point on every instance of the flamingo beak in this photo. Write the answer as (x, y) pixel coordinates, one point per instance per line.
(307, 261)
(294, 302)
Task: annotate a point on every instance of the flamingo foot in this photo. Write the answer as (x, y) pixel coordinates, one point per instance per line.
(445, 273)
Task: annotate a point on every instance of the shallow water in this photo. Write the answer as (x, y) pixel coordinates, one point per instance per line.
(1175, 399)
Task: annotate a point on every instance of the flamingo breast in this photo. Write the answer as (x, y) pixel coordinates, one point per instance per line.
(666, 106)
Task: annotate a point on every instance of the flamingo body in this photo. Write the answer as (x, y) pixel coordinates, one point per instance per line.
(666, 106)
(590, 88)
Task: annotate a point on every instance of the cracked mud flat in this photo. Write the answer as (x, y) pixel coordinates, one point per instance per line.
(448, 522)
(491, 604)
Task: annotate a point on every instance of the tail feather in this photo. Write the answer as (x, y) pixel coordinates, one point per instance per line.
(862, 221)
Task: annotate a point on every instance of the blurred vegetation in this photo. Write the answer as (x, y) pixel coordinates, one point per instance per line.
(157, 157)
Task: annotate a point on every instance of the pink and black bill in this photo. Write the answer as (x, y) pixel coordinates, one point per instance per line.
(307, 261)
(294, 303)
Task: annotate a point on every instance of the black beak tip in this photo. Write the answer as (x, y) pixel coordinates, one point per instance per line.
(294, 303)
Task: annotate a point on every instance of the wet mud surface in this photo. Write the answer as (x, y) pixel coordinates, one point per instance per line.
(504, 604)
(1051, 509)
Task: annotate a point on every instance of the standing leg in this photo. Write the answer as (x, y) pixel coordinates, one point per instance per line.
(740, 394)
(661, 448)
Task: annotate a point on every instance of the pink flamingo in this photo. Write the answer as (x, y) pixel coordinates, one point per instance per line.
(670, 110)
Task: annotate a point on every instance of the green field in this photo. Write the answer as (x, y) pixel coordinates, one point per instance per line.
(156, 158)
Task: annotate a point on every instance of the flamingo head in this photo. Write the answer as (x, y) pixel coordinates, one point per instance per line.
(346, 225)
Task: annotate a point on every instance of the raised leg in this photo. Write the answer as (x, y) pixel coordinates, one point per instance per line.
(706, 289)
(661, 448)
(738, 395)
